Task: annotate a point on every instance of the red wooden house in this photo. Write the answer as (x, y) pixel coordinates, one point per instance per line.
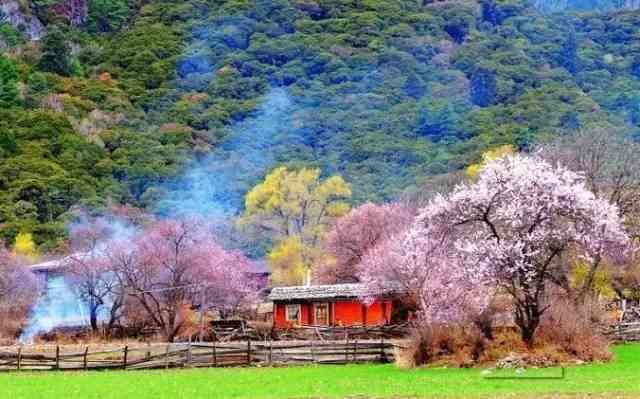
(328, 305)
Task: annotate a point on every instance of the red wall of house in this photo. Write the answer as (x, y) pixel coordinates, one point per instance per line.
(279, 317)
(378, 313)
(344, 313)
(305, 314)
(348, 313)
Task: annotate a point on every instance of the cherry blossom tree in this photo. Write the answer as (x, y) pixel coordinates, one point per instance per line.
(356, 233)
(173, 265)
(511, 227)
(518, 221)
(423, 266)
(19, 290)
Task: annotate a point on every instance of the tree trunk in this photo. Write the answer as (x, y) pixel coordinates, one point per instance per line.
(93, 318)
(528, 319)
(587, 285)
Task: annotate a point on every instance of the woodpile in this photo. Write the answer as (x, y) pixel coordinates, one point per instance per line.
(157, 356)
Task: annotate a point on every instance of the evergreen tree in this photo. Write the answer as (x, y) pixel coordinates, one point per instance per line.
(483, 87)
(569, 54)
(55, 53)
(8, 83)
(107, 15)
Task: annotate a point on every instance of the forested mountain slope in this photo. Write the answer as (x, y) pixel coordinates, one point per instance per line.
(182, 106)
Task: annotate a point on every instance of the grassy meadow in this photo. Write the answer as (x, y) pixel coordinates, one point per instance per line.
(619, 378)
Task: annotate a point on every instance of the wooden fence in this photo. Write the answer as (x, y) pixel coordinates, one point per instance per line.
(158, 356)
(624, 332)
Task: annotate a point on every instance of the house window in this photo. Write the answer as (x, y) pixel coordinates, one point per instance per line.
(292, 313)
(322, 314)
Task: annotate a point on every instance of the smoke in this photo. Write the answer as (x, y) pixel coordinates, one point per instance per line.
(214, 186)
(57, 306)
(211, 187)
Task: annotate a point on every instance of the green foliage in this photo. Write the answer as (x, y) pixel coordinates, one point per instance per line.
(10, 36)
(55, 53)
(107, 15)
(8, 83)
(384, 93)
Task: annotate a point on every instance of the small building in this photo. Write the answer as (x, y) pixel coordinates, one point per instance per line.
(329, 305)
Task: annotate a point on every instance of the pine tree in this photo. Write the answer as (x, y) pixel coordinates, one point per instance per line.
(55, 53)
(8, 83)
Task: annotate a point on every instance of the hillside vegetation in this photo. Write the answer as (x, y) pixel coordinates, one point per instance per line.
(120, 101)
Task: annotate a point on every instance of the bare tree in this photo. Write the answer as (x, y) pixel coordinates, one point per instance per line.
(90, 274)
(610, 164)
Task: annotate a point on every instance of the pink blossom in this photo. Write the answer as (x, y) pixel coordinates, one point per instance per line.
(508, 230)
(354, 234)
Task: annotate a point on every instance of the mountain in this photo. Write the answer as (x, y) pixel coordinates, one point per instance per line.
(180, 107)
(585, 5)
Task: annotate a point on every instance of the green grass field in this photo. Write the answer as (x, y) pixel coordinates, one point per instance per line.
(621, 377)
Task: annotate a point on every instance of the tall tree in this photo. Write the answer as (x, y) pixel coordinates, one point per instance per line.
(90, 273)
(8, 83)
(518, 221)
(176, 264)
(295, 203)
(355, 234)
(610, 165)
(55, 53)
(483, 87)
(107, 15)
(512, 227)
(423, 265)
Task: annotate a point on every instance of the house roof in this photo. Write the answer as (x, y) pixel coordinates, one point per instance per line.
(321, 291)
(56, 264)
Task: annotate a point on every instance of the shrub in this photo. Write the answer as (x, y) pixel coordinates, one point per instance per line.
(447, 345)
(575, 329)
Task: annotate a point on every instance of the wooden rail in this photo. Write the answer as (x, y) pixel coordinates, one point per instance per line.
(248, 353)
(624, 332)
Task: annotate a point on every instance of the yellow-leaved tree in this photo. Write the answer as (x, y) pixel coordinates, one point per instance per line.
(489, 155)
(296, 207)
(25, 246)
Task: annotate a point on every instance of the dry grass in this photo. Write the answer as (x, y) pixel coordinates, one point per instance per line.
(437, 345)
(567, 334)
(575, 330)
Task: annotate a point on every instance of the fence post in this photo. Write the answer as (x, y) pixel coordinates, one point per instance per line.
(19, 357)
(355, 350)
(270, 352)
(84, 359)
(148, 354)
(166, 357)
(249, 352)
(124, 361)
(382, 354)
(215, 359)
(346, 351)
(313, 352)
(57, 357)
(189, 353)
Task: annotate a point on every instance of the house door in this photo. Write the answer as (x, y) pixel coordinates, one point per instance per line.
(321, 314)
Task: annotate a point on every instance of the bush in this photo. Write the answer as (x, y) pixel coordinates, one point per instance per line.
(574, 329)
(447, 345)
